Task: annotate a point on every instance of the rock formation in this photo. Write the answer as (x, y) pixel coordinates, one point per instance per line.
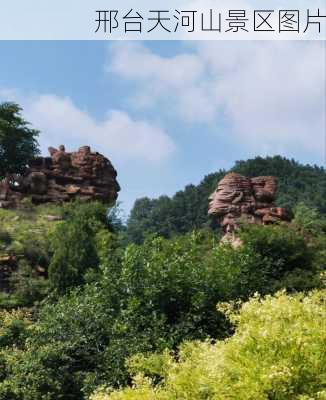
(62, 177)
(240, 198)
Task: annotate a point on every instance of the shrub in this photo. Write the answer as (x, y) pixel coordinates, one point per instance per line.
(271, 258)
(172, 280)
(13, 328)
(309, 219)
(27, 285)
(276, 353)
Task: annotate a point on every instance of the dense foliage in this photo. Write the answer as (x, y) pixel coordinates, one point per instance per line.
(87, 303)
(145, 299)
(277, 352)
(25, 254)
(18, 142)
(187, 209)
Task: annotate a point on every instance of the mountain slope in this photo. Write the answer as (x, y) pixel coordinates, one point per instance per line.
(187, 209)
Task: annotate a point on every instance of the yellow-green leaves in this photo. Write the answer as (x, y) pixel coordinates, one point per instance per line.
(277, 352)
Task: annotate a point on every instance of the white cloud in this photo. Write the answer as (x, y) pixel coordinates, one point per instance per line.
(177, 80)
(135, 61)
(270, 93)
(273, 93)
(62, 122)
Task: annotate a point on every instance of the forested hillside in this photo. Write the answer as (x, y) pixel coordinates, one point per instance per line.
(187, 209)
(101, 313)
(87, 313)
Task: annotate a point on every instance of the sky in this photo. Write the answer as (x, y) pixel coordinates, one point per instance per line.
(167, 113)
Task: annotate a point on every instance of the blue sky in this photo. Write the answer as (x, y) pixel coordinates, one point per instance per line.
(168, 113)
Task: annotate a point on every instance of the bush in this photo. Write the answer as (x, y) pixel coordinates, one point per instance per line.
(276, 353)
(65, 346)
(309, 219)
(24, 242)
(14, 331)
(13, 328)
(270, 258)
(5, 238)
(40, 375)
(172, 280)
(28, 286)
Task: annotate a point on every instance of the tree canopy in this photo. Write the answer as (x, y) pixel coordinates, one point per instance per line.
(18, 142)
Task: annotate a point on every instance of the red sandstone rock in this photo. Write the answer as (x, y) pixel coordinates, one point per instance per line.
(62, 177)
(240, 198)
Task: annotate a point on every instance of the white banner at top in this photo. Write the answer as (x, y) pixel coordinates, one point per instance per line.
(162, 20)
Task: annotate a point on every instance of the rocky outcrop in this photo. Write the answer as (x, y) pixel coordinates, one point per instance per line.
(240, 198)
(62, 177)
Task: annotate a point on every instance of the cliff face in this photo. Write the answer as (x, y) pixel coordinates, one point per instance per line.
(238, 197)
(62, 177)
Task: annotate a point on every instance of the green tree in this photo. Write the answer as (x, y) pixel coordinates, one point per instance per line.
(274, 257)
(140, 220)
(74, 245)
(309, 219)
(18, 142)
